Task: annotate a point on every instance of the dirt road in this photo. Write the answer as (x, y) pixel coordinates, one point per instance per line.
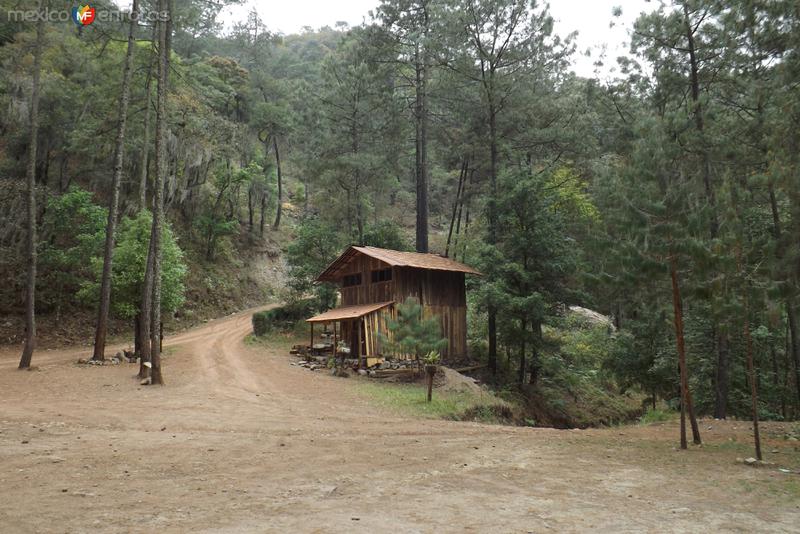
(239, 441)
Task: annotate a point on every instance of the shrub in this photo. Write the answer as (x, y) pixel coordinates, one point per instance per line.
(656, 416)
(283, 318)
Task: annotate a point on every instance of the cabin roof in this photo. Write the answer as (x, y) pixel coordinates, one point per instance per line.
(348, 312)
(395, 258)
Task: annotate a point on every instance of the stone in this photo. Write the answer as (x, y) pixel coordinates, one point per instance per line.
(750, 461)
(362, 372)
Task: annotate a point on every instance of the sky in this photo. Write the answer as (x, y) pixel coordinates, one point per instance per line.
(591, 18)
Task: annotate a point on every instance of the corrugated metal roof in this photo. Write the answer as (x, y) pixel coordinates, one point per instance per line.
(396, 258)
(348, 312)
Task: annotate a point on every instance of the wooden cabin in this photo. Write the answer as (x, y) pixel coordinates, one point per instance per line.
(372, 280)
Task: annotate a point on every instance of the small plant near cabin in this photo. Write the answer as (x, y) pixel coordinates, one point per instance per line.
(432, 358)
(411, 333)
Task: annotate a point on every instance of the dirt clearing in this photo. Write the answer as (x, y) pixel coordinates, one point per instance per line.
(240, 441)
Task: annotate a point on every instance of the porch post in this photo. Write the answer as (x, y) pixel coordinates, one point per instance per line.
(311, 346)
(334, 341)
(358, 343)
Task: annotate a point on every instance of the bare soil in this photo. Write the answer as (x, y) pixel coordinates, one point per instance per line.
(240, 441)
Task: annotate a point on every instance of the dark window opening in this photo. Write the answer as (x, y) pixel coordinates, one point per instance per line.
(382, 275)
(352, 280)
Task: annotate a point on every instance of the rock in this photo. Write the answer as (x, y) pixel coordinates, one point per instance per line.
(680, 510)
(145, 382)
(593, 317)
(362, 372)
(119, 355)
(82, 361)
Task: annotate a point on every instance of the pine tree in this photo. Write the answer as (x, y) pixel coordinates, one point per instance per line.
(113, 210)
(33, 141)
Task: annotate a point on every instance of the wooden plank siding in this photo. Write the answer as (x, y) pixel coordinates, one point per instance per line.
(366, 292)
(441, 293)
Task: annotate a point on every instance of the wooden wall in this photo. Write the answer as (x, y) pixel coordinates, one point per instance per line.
(441, 293)
(367, 292)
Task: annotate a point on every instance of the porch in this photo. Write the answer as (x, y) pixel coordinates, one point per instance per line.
(355, 331)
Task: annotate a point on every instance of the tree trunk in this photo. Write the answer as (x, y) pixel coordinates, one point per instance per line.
(145, 163)
(280, 183)
(751, 373)
(359, 219)
(263, 211)
(164, 40)
(33, 140)
(686, 396)
(524, 327)
(250, 207)
(492, 216)
(722, 378)
(459, 188)
(421, 119)
(113, 209)
(146, 313)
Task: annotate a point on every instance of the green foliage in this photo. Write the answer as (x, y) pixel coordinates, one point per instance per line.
(432, 358)
(315, 245)
(73, 233)
(386, 234)
(656, 416)
(283, 318)
(130, 261)
(412, 334)
(410, 399)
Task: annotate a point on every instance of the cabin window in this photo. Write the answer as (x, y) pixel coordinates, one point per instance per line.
(381, 275)
(351, 280)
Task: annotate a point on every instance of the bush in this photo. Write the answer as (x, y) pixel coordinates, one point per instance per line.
(284, 318)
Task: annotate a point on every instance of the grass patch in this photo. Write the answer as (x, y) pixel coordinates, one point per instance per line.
(275, 341)
(410, 399)
(657, 416)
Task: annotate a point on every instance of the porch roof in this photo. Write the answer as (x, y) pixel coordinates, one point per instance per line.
(348, 312)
